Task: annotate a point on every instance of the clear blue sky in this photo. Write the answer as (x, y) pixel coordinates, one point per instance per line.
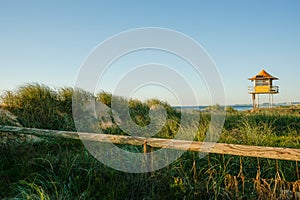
(47, 41)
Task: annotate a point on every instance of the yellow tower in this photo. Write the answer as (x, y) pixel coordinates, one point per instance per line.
(263, 84)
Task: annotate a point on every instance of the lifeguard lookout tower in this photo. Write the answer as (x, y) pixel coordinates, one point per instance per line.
(263, 84)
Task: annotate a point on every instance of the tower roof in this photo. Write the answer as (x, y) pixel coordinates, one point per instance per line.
(263, 75)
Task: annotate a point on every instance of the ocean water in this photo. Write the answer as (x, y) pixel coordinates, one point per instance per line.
(236, 107)
(242, 108)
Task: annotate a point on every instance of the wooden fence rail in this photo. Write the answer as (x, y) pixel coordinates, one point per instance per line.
(218, 148)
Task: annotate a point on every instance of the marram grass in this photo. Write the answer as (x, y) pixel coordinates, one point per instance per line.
(64, 169)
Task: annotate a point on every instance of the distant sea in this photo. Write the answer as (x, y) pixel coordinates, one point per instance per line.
(242, 107)
(239, 107)
(236, 107)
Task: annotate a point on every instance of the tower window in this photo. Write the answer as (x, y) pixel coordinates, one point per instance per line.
(262, 82)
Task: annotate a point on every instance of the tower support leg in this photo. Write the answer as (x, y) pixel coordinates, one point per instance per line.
(253, 101)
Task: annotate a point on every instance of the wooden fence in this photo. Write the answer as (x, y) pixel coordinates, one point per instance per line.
(218, 148)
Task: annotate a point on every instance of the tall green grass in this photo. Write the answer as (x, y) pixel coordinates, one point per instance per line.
(39, 106)
(63, 169)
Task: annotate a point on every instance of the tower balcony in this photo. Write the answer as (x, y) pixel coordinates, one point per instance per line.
(264, 89)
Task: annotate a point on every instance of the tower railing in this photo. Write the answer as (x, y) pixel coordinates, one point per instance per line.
(275, 89)
(272, 89)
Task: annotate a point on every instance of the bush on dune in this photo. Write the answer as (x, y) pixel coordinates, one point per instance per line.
(38, 106)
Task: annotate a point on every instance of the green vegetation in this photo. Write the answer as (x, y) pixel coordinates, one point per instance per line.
(51, 168)
(38, 106)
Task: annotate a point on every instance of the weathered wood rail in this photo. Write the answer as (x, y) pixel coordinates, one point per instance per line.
(218, 148)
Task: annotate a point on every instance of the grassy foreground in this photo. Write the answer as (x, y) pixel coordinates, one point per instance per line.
(64, 169)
